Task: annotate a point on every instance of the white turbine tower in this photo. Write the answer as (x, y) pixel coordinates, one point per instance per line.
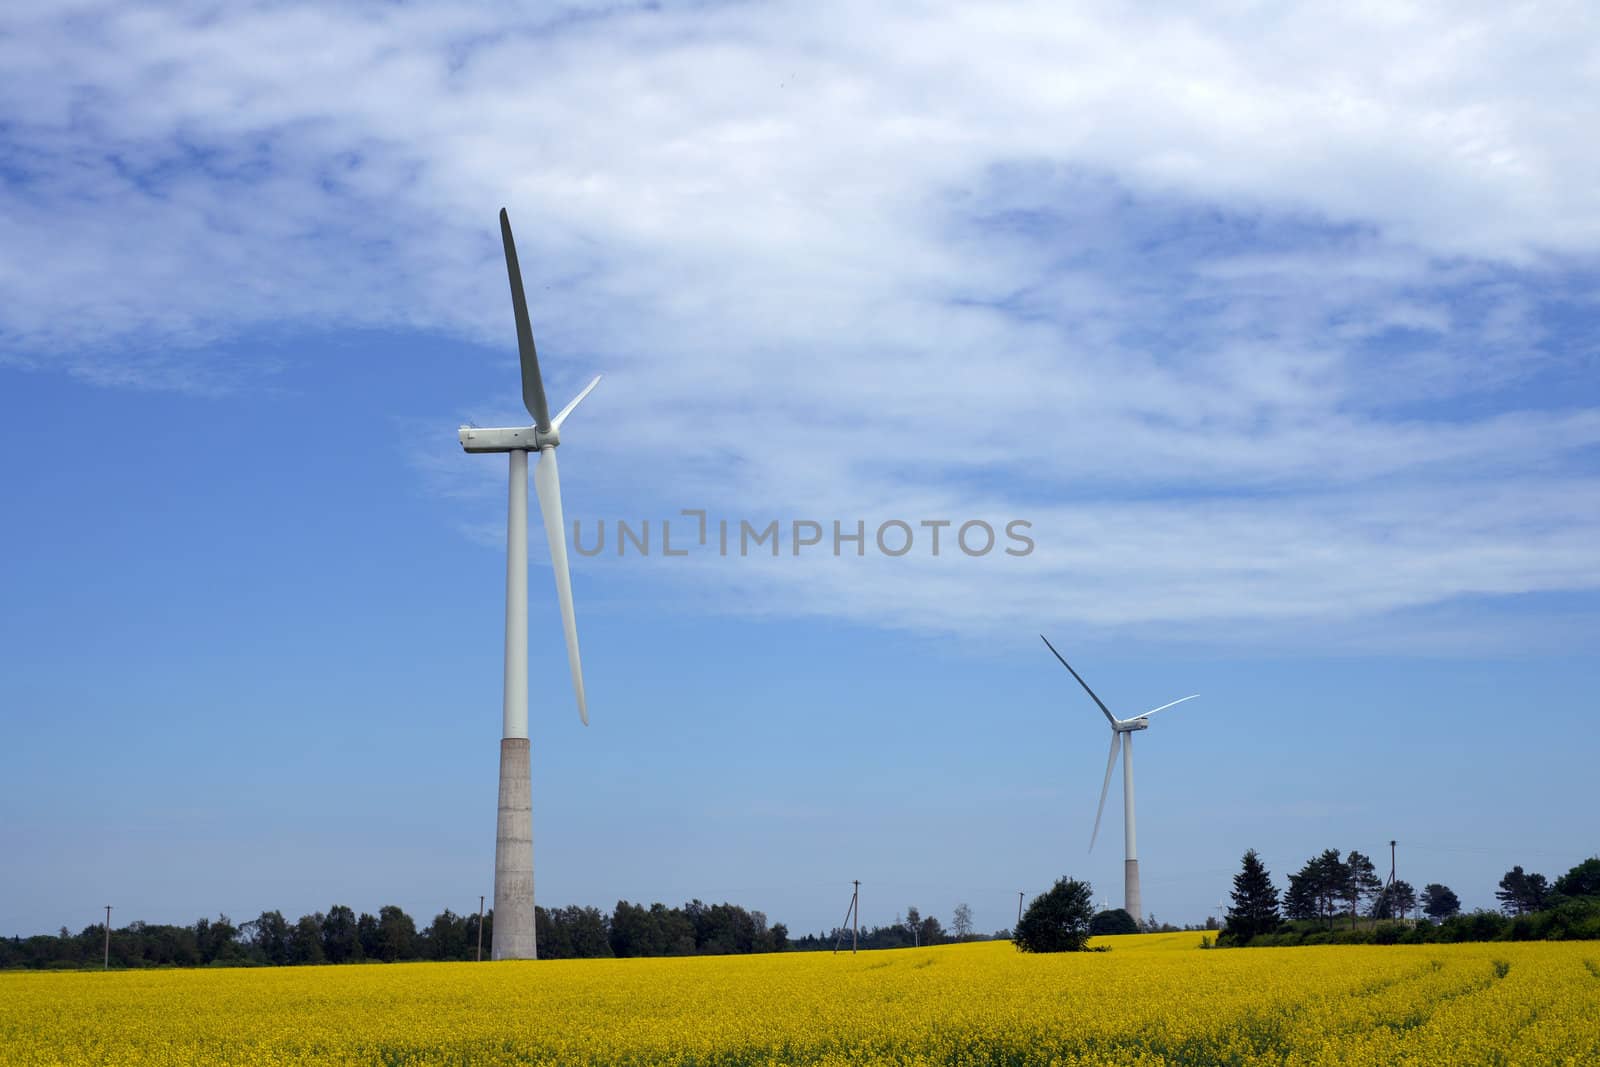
(1120, 729)
(513, 839)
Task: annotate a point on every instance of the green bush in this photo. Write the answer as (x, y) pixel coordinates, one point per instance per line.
(1113, 921)
(1525, 928)
(1282, 939)
(1473, 926)
(1572, 920)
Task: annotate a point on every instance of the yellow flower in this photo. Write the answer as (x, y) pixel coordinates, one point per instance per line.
(1154, 999)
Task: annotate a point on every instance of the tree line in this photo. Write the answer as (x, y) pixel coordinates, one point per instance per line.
(910, 930)
(916, 929)
(1328, 896)
(340, 935)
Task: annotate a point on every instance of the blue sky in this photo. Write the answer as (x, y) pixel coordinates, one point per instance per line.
(1279, 329)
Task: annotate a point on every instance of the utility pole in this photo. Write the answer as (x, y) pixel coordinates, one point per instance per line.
(1388, 887)
(853, 917)
(107, 965)
(480, 927)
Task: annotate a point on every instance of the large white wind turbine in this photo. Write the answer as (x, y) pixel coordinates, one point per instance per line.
(513, 840)
(1121, 736)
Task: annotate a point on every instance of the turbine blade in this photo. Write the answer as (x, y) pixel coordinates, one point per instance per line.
(1164, 707)
(1112, 719)
(555, 423)
(1111, 763)
(532, 384)
(547, 484)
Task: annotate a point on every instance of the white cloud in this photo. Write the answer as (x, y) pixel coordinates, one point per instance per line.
(1082, 264)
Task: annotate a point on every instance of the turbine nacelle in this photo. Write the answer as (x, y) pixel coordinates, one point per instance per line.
(508, 439)
(1123, 726)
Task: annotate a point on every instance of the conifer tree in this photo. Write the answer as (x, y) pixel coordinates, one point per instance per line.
(1361, 882)
(1440, 901)
(1255, 901)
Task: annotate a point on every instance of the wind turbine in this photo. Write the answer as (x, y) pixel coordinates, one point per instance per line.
(513, 838)
(1120, 729)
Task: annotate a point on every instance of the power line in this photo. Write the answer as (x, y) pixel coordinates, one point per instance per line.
(1512, 849)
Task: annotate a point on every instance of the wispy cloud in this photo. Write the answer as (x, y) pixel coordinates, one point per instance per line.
(1261, 317)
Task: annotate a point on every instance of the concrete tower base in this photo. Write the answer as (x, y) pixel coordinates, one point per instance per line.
(1130, 890)
(513, 856)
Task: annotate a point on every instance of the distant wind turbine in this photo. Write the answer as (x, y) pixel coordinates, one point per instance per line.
(513, 842)
(1120, 729)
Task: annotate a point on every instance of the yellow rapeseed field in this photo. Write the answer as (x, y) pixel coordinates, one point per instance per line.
(1154, 999)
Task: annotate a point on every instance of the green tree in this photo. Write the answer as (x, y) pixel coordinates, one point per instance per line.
(634, 932)
(919, 929)
(1112, 921)
(551, 934)
(1512, 891)
(1318, 888)
(1439, 902)
(215, 940)
(1300, 902)
(1255, 901)
(447, 937)
(1582, 881)
(1333, 883)
(1361, 883)
(588, 932)
(1520, 893)
(762, 941)
(573, 933)
(961, 922)
(305, 940)
(397, 935)
(1058, 920)
(780, 937)
(675, 930)
(367, 936)
(914, 925)
(339, 940)
(270, 937)
(1394, 902)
